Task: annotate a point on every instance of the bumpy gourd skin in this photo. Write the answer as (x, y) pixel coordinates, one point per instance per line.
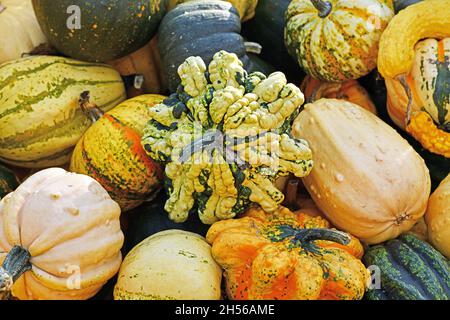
(259, 264)
(224, 138)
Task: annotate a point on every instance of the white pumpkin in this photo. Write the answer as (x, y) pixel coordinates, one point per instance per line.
(20, 31)
(67, 230)
(170, 265)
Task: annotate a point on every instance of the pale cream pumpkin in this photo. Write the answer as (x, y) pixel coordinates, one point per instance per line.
(20, 31)
(438, 217)
(68, 226)
(172, 264)
(366, 178)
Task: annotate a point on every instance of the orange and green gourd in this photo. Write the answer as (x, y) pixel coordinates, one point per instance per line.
(287, 255)
(111, 152)
(336, 40)
(414, 59)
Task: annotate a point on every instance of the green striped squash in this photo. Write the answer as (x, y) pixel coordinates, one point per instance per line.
(411, 269)
(8, 181)
(336, 40)
(40, 117)
(111, 152)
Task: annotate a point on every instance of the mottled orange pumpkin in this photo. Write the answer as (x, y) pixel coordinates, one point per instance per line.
(287, 255)
(350, 90)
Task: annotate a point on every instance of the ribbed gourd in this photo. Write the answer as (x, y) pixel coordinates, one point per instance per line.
(40, 114)
(336, 40)
(407, 268)
(60, 238)
(287, 255)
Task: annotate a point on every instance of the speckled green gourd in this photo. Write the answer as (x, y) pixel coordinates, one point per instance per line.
(109, 29)
(411, 269)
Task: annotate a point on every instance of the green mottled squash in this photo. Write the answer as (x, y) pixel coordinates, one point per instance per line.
(8, 181)
(410, 269)
(170, 265)
(336, 40)
(110, 151)
(40, 117)
(107, 30)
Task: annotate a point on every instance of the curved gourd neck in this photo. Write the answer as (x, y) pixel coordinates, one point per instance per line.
(16, 263)
(324, 7)
(91, 110)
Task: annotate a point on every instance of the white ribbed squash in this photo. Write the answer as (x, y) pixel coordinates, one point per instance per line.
(70, 227)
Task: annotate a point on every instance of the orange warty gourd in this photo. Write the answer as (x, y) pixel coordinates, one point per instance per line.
(60, 237)
(287, 255)
(366, 178)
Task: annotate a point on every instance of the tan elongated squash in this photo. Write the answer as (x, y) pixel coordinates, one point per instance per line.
(438, 217)
(366, 178)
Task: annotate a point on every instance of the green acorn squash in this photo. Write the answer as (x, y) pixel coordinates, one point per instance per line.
(108, 29)
(199, 28)
(40, 117)
(8, 181)
(411, 269)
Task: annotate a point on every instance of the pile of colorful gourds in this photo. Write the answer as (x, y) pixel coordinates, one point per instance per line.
(241, 149)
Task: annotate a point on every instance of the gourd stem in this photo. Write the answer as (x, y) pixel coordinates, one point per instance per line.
(309, 235)
(324, 7)
(2, 7)
(16, 263)
(89, 109)
(291, 193)
(306, 236)
(252, 47)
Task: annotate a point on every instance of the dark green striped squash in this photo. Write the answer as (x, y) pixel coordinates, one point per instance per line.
(110, 152)
(40, 117)
(8, 181)
(200, 28)
(411, 269)
(107, 30)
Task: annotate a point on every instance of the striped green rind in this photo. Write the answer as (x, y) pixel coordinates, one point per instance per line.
(109, 29)
(410, 270)
(8, 181)
(40, 116)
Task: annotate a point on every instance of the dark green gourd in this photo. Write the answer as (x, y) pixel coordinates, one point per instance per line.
(411, 269)
(109, 29)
